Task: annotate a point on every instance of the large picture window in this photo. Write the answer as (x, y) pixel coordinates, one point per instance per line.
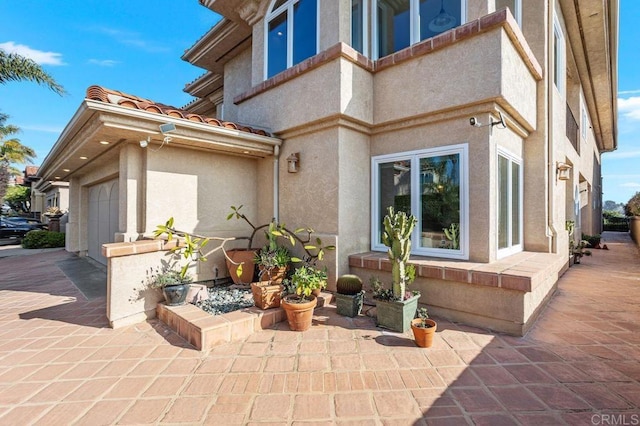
(291, 34)
(509, 204)
(432, 185)
(401, 23)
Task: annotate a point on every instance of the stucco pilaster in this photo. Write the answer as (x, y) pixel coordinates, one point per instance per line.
(130, 190)
(72, 240)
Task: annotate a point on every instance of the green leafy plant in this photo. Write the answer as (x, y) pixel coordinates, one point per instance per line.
(308, 278)
(313, 251)
(592, 240)
(423, 315)
(167, 278)
(43, 239)
(397, 236)
(189, 247)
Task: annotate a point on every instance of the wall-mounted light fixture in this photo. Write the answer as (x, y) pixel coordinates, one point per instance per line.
(293, 162)
(563, 171)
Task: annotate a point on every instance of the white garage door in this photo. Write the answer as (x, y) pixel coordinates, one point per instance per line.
(103, 217)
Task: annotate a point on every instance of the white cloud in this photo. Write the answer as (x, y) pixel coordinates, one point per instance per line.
(630, 185)
(38, 56)
(130, 38)
(628, 92)
(103, 62)
(630, 107)
(38, 128)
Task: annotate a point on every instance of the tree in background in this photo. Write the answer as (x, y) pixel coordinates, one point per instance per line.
(14, 67)
(18, 198)
(12, 152)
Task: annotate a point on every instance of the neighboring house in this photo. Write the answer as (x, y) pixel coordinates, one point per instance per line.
(465, 113)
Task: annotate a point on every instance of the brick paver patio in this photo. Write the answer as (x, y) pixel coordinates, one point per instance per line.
(60, 363)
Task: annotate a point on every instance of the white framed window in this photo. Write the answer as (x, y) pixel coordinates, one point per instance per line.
(558, 55)
(400, 23)
(584, 119)
(432, 184)
(291, 34)
(509, 204)
(360, 26)
(515, 6)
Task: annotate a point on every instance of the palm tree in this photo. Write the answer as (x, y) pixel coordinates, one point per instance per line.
(11, 152)
(14, 67)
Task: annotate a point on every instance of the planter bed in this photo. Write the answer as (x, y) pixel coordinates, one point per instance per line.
(205, 331)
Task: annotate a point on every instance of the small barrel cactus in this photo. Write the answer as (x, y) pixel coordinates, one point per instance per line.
(349, 284)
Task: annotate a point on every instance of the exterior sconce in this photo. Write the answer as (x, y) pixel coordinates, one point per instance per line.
(562, 171)
(293, 162)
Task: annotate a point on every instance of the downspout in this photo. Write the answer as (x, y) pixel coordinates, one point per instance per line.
(551, 181)
(276, 182)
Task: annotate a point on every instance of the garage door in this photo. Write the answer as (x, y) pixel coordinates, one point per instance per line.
(103, 217)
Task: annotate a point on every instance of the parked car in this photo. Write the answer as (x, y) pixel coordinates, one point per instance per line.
(11, 232)
(27, 221)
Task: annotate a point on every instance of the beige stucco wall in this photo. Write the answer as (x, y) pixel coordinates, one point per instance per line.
(237, 79)
(436, 85)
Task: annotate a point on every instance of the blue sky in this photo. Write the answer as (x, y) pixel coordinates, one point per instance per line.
(135, 47)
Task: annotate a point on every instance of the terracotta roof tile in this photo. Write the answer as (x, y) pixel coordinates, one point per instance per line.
(102, 94)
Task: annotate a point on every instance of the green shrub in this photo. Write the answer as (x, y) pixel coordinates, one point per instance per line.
(43, 239)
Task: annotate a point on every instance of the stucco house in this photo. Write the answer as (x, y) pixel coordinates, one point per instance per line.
(484, 117)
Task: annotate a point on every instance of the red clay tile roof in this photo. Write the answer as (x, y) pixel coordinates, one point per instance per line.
(98, 93)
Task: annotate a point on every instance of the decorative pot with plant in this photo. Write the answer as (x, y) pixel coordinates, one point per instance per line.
(396, 307)
(576, 250)
(173, 284)
(349, 295)
(299, 306)
(423, 328)
(238, 260)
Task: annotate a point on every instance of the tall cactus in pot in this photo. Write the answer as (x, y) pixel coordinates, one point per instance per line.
(397, 236)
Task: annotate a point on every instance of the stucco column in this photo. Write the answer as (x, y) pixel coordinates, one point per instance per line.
(130, 193)
(72, 241)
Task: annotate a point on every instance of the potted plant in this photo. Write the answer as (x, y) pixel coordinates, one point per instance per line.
(349, 295)
(576, 251)
(273, 264)
(423, 328)
(174, 285)
(632, 211)
(299, 306)
(396, 307)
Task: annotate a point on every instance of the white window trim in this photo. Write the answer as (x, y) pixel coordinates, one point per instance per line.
(414, 157)
(584, 119)
(511, 249)
(365, 26)
(560, 59)
(414, 24)
(288, 6)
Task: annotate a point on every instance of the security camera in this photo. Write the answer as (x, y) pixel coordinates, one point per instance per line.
(474, 122)
(167, 128)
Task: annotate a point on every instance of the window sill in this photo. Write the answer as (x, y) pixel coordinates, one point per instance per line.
(522, 272)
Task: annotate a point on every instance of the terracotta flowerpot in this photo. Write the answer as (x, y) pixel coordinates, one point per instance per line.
(277, 274)
(175, 295)
(299, 315)
(634, 229)
(266, 295)
(244, 257)
(424, 336)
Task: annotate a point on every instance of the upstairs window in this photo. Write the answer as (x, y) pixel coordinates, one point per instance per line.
(558, 56)
(359, 25)
(401, 23)
(291, 34)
